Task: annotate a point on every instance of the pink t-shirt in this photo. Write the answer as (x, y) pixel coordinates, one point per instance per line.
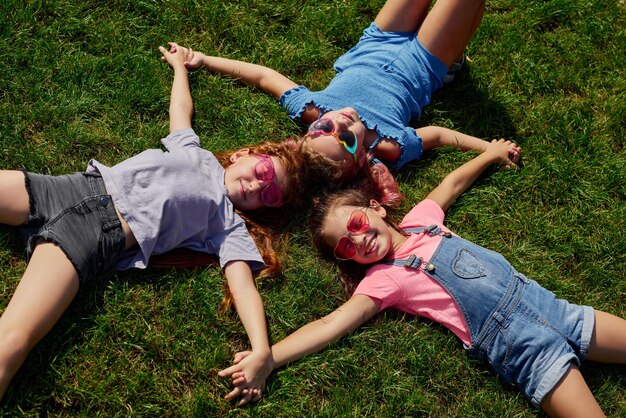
(410, 290)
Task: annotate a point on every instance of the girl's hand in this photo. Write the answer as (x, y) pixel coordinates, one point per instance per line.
(515, 154)
(505, 153)
(176, 56)
(248, 376)
(195, 60)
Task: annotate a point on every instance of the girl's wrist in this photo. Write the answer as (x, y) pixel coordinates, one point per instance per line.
(180, 68)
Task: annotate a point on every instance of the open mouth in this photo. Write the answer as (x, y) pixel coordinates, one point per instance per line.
(370, 244)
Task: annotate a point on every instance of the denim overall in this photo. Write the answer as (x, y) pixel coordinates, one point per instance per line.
(511, 318)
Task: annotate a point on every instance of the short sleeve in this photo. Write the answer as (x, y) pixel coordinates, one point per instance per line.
(295, 101)
(426, 212)
(236, 244)
(181, 139)
(410, 147)
(380, 286)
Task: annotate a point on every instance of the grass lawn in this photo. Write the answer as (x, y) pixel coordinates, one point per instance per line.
(83, 79)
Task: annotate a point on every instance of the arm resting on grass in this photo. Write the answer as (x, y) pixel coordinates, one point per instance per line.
(249, 307)
(438, 137)
(264, 78)
(181, 103)
(268, 80)
(309, 339)
(455, 183)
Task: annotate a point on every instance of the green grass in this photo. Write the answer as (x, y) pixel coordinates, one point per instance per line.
(83, 80)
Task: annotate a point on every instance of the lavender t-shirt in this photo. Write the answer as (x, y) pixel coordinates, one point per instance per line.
(177, 199)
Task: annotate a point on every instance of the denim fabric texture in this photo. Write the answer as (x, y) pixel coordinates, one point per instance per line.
(76, 213)
(521, 329)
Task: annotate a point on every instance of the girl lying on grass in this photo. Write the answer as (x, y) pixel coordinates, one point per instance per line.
(420, 267)
(81, 225)
(383, 82)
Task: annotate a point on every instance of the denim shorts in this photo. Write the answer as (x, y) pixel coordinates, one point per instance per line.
(76, 213)
(539, 339)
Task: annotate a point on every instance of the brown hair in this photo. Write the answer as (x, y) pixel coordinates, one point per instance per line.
(350, 272)
(265, 225)
(371, 175)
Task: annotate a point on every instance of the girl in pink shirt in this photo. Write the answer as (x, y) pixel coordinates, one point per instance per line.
(522, 330)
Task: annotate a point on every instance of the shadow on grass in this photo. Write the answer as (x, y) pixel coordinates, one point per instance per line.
(470, 108)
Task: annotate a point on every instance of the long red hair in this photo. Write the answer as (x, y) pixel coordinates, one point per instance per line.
(266, 226)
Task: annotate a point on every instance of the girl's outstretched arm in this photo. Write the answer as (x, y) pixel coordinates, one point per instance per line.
(181, 103)
(437, 137)
(264, 78)
(250, 310)
(311, 338)
(459, 180)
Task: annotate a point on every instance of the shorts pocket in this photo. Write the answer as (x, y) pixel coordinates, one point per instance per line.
(467, 265)
(498, 353)
(110, 247)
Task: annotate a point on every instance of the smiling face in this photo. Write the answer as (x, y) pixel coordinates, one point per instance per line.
(329, 145)
(245, 183)
(366, 240)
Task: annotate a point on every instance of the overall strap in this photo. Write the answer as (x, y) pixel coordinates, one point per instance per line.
(418, 230)
(413, 261)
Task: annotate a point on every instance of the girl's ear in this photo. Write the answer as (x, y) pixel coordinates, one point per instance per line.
(244, 152)
(375, 206)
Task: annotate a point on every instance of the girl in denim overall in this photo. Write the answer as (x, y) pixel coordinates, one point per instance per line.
(522, 330)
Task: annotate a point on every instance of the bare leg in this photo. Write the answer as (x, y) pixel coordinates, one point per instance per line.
(571, 398)
(402, 15)
(608, 342)
(449, 26)
(48, 286)
(13, 198)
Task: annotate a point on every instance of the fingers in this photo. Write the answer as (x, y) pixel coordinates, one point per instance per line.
(229, 371)
(246, 396)
(509, 164)
(174, 48)
(235, 368)
(241, 355)
(507, 151)
(514, 157)
(249, 395)
(236, 375)
(239, 381)
(233, 394)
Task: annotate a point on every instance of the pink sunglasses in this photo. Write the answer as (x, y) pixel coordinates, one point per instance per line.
(357, 224)
(264, 170)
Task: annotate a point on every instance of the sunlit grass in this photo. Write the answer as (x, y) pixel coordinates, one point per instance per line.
(82, 80)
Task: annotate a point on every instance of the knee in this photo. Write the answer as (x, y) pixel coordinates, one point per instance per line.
(15, 344)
